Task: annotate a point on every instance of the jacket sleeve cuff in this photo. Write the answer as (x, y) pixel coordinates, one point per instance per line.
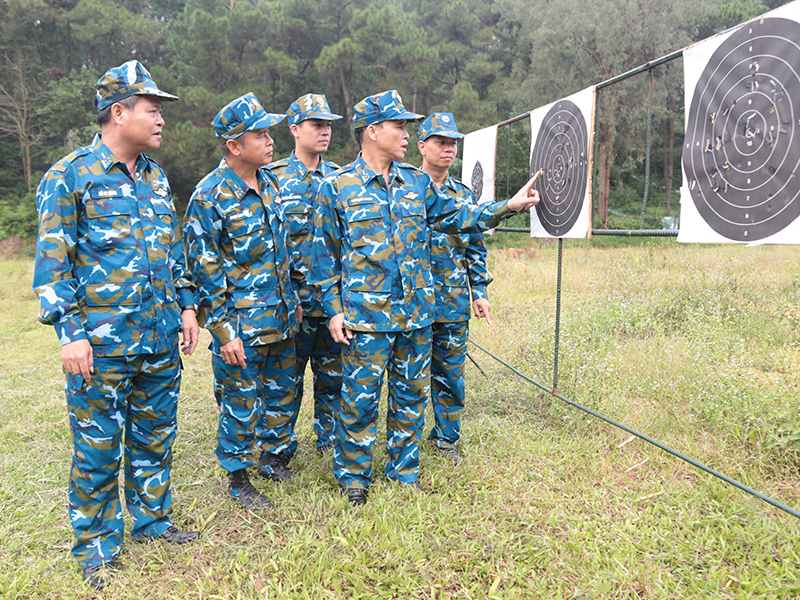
(333, 306)
(494, 214)
(186, 297)
(70, 330)
(479, 292)
(222, 333)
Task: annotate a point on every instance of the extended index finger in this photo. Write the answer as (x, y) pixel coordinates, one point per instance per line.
(536, 176)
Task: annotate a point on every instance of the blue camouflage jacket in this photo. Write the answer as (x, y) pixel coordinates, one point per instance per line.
(109, 257)
(299, 188)
(237, 247)
(371, 257)
(458, 263)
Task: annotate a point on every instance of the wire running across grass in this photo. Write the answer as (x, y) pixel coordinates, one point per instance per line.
(657, 444)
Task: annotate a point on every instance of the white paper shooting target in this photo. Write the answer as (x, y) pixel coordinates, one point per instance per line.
(561, 146)
(477, 169)
(741, 156)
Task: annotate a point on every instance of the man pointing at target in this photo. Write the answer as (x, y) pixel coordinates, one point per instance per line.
(371, 263)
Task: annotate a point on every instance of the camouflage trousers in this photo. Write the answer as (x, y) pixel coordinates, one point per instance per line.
(406, 357)
(256, 403)
(448, 353)
(314, 342)
(137, 395)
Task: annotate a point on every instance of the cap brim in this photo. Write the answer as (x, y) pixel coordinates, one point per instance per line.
(406, 116)
(323, 117)
(268, 120)
(158, 93)
(448, 134)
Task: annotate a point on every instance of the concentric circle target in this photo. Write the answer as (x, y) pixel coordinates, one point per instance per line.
(742, 149)
(561, 151)
(477, 180)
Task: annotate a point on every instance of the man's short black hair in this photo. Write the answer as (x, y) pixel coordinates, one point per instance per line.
(104, 115)
(359, 133)
(223, 145)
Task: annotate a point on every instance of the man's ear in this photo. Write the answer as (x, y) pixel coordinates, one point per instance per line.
(372, 131)
(234, 147)
(116, 113)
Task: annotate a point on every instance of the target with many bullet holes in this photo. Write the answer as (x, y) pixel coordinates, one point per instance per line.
(561, 136)
(477, 167)
(741, 154)
(477, 180)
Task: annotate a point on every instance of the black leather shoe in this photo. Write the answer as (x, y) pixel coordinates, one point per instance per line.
(356, 496)
(323, 450)
(414, 485)
(450, 453)
(173, 535)
(98, 576)
(245, 493)
(274, 467)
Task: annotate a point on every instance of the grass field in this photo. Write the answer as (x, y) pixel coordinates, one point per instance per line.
(698, 347)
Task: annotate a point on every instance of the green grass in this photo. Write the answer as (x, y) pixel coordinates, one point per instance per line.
(695, 346)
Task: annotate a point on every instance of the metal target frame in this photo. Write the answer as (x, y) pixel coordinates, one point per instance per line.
(641, 232)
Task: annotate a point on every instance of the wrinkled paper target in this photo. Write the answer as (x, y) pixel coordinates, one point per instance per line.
(742, 149)
(562, 142)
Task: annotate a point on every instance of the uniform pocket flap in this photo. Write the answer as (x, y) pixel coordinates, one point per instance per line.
(254, 298)
(162, 207)
(100, 204)
(113, 294)
(296, 209)
(369, 238)
(244, 226)
(363, 212)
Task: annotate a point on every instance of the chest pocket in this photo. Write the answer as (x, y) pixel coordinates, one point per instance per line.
(413, 223)
(298, 218)
(248, 236)
(109, 220)
(365, 226)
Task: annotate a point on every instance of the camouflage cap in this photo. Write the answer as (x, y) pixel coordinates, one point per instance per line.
(128, 79)
(241, 115)
(310, 106)
(386, 106)
(443, 124)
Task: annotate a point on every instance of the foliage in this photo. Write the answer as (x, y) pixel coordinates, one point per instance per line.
(18, 215)
(484, 61)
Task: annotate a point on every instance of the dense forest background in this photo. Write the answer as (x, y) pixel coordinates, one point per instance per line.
(485, 61)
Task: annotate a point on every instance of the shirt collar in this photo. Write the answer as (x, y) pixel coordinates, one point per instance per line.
(107, 158)
(366, 173)
(235, 183)
(301, 169)
(449, 184)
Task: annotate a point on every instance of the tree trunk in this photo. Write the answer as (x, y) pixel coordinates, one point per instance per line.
(606, 159)
(26, 161)
(669, 158)
(346, 94)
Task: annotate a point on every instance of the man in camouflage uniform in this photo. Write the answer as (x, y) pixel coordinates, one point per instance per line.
(111, 279)
(299, 176)
(371, 262)
(458, 263)
(237, 247)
